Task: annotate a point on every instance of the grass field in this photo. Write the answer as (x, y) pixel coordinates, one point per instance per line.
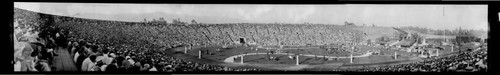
(283, 60)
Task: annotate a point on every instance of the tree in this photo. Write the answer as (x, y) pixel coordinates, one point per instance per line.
(465, 36)
(161, 19)
(177, 21)
(383, 39)
(369, 41)
(415, 36)
(349, 24)
(400, 35)
(194, 22)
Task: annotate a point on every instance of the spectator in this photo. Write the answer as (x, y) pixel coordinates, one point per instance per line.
(106, 58)
(79, 60)
(130, 60)
(27, 61)
(99, 66)
(126, 64)
(76, 55)
(153, 68)
(89, 63)
(112, 67)
(119, 61)
(146, 67)
(136, 67)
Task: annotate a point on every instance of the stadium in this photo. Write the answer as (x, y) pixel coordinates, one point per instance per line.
(171, 47)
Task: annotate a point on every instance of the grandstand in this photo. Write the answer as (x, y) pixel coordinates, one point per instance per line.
(255, 47)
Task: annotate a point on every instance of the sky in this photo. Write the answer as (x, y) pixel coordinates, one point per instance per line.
(387, 15)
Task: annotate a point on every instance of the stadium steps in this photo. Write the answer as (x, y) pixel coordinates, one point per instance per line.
(64, 61)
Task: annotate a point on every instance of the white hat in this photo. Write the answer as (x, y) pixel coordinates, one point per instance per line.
(112, 55)
(126, 57)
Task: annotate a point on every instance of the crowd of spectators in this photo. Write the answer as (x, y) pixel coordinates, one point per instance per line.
(98, 45)
(216, 34)
(473, 60)
(35, 41)
(94, 50)
(122, 57)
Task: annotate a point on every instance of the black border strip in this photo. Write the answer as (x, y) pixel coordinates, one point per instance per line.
(493, 9)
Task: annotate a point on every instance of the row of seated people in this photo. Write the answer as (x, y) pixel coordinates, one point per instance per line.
(116, 58)
(91, 56)
(272, 38)
(464, 61)
(26, 55)
(182, 41)
(235, 31)
(88, 53)
(171, 44)
(39, 52)
(217, 36)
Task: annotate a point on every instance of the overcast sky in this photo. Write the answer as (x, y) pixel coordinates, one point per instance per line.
(431, 16)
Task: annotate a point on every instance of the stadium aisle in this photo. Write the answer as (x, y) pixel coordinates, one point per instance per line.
(64, 61)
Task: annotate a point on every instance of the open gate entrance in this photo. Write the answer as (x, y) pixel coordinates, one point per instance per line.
(242, 40)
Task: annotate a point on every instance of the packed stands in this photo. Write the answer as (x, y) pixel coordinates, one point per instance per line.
(118, 46)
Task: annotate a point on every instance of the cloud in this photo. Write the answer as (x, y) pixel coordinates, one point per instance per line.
(252, 14)
(298, 14)
(262, 9)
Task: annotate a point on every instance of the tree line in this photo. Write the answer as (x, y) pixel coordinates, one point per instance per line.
(162, 20)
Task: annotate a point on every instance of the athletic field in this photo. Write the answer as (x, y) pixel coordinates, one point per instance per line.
(309, 57)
